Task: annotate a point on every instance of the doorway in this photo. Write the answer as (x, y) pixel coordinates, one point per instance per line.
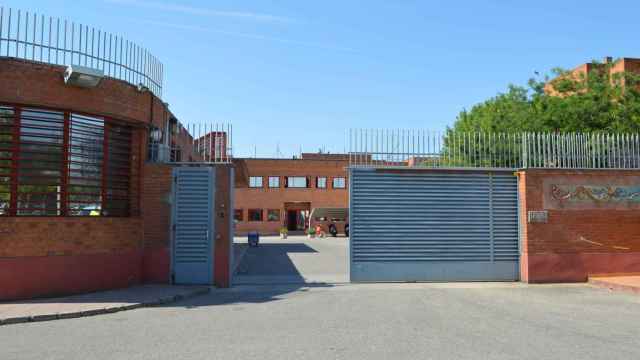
(297, 215)
(292, 220)
(191, 226)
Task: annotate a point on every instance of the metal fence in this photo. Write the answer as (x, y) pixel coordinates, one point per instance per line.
(194, 143)
(34, 37)
(451, 149)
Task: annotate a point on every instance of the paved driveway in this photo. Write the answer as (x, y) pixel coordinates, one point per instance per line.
(294, 260)
(365, 321)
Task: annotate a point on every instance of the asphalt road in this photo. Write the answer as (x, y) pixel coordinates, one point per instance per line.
(294, 260)
(377, 321)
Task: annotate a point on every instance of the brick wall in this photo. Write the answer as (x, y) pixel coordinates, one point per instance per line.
(580, 238)
(275, 198)
(48, 256)
(156, 206)
(32, 83)
(65, 236)
(223, 225)
(156, 215)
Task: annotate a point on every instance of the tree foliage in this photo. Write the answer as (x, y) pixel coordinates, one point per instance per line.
(598, 101)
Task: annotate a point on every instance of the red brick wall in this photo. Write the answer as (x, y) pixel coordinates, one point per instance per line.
(51, 256)
(156, 215)
(223, 218)
(275, 198)
(30, 83)
(66, 236)
(46, 276)
(580, 238)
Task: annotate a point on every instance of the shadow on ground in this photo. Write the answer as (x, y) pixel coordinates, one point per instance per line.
(246, 294)
(272, 259)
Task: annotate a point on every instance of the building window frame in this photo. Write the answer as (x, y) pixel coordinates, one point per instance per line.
(63, 163)
(339, 182)
(273, 215)
(256, 182)
(255, 215)
(273, 182)
(321, 182)
(238, 214)
(292, 182)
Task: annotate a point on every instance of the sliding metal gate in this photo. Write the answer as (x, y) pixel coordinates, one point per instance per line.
(433, 225)
(192, 225)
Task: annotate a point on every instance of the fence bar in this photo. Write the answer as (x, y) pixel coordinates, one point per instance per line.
(455, 149)
(30, 40)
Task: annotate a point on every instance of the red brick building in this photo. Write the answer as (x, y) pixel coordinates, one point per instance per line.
(618, 66)
(275, 193)
(84, 205)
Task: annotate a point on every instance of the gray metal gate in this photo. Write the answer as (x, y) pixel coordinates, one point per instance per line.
(192, 225)
(433, 225)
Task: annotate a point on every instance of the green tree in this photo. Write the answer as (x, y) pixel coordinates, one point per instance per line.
(595, 102)
(600, 101)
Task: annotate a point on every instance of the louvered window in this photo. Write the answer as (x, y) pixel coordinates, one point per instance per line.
(56, 163)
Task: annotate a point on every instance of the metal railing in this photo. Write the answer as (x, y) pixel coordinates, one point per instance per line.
(581, 151)
(194, 143)
(51, 40)
(452, 149)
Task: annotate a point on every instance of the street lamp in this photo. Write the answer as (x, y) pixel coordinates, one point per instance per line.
(82, 76)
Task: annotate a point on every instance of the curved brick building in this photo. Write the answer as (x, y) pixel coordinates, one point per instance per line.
(81, 208)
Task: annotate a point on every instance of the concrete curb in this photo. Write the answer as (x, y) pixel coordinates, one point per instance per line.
(108, 310)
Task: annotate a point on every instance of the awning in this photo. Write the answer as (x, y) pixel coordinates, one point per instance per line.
(330, 213)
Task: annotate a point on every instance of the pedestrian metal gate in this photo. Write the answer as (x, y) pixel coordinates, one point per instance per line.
(433, 225)
(192, 225)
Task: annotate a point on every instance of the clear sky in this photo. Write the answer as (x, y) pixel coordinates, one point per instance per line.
(296, 74)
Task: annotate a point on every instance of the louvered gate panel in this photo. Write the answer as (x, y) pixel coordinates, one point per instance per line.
(192, 259)
(504, 210)
(412, 225)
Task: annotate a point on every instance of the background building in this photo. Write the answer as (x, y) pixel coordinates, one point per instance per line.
(275, 193)
(618, 66)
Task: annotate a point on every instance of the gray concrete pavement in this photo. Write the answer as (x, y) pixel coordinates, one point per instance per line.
(372, 321)
(95, 303)
(294, 260)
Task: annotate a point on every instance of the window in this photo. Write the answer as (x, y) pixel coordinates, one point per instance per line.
(321, 182)
(86, 165)
(55, 163)
(255, 214)
(274, 181)
(255, 181)
(273, 215)
(6, 157)
(296, 182)
(339, 183)
(237, 215)
(40, 162)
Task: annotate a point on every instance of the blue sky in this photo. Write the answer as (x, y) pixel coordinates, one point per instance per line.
(296, 74)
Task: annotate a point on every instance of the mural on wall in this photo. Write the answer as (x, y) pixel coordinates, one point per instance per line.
(595, 193)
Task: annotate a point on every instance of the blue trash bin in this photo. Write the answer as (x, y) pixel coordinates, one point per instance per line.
(253, 238)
